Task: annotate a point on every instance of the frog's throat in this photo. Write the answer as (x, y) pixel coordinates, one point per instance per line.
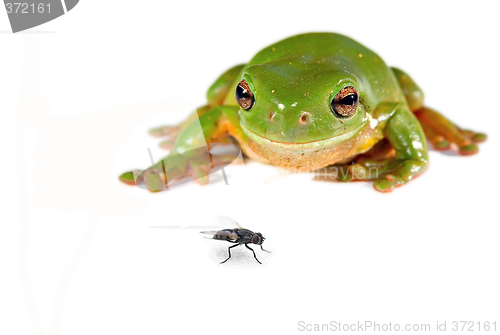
(311, 155)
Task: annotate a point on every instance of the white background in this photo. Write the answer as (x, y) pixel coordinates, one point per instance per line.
(78, 254)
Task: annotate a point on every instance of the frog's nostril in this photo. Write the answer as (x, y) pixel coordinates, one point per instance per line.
(303, 117)
(270, 115)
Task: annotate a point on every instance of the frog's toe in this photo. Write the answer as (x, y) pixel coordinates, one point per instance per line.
(344, 173)
(474, 137)
(200, 174)
(153, 181)
(170, 131)
(167, 144)
(469, 149)
(479, 138)
(441, 145)
(150, 178)
(438, 141)
(127, 178)
(384, 185)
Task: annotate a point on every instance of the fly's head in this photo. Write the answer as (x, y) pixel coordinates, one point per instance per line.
(258, 239)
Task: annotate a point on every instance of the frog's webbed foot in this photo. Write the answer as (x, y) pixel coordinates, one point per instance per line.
(386, 173)
(198, 164)
(442, 133)
(375, 165)
(200, 149)
(155, 177)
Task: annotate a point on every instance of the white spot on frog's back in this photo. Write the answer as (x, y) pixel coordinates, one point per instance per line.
(294, 104)
(281, 106)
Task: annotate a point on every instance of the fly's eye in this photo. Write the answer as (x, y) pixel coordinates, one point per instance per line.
(244, 95)
(345, 103)
(256, 239)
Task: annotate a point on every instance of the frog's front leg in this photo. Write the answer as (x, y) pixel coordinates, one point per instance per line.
(215, 97)
(407, 159)
(190, 155)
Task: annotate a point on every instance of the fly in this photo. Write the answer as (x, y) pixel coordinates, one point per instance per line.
(238, 236)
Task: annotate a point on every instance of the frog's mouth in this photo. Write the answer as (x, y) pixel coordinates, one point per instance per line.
(329, 142)
(306, 156)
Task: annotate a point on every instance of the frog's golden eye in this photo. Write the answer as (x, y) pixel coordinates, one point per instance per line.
(345, 103)
(244, 95)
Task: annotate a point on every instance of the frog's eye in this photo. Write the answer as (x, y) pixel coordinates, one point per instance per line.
(345, 103)
(244, 95)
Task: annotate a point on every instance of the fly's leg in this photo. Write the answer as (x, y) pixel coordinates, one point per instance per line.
(246, 245)
(229, 251)
(264, 249)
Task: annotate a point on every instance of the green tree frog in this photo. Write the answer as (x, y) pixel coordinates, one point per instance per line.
(310, 101)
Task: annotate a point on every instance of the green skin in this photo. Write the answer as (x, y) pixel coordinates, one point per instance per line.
(300, 76)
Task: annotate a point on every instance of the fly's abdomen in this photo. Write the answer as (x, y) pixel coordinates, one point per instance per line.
(226, 235)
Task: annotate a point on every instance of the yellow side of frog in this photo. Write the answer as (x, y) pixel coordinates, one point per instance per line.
(307, 102)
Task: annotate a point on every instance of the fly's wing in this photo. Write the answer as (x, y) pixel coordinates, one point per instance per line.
(224, 221)
(209, 232)
(223, 235)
